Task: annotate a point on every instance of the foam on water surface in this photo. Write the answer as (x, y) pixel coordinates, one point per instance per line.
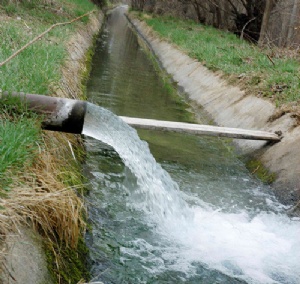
(257, 248)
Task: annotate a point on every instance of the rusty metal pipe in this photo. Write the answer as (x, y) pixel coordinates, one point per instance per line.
(59, 114)
(67, 115)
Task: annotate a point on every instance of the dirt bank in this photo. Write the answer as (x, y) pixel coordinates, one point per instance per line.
(25, 259)
(231, 107)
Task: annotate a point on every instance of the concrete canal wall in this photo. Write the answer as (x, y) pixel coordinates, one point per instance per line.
(229, 106)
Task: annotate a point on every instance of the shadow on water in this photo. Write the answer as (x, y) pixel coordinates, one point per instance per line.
(229, 207)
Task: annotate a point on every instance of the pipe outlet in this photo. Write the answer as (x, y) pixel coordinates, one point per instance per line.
(59, 114)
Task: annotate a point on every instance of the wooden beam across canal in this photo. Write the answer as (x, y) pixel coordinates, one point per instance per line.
(198, 129)
(67, 115)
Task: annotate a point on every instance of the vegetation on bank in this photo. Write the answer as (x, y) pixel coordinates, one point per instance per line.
(37, 68)
(272, 73)
(40, 172)
(19, 137)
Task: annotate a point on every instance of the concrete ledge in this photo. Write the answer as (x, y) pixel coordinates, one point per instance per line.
(25, 261)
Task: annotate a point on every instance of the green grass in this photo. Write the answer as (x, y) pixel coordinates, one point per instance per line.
(238, 60)
(35, 70)
(19, 139)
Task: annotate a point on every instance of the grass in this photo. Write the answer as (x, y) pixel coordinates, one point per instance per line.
(257, 168)
(40, 180)
(37, 68)
(19, 140)
(268, 72)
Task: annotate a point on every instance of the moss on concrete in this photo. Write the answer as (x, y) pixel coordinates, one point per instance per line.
(88, 67)
(260, 171)
(73, 266)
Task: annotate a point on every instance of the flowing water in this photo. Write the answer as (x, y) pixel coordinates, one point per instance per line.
(190, 214)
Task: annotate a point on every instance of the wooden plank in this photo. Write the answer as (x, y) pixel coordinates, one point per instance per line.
(198, 129)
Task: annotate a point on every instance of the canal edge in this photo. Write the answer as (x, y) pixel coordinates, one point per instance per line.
(26, 252)
(229, 106)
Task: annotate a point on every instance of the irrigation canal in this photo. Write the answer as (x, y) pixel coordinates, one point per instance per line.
(192, 215)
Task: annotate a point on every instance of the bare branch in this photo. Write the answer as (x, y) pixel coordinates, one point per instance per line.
(269, 57)
(41, 35)
(242, 32)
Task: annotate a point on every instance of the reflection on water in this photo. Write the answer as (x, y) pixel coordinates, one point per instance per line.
(214, 225)
(124, 80)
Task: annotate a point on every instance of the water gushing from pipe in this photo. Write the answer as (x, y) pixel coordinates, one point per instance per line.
(256, 248)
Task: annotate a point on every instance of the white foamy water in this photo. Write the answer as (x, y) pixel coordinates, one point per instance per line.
(264, 248)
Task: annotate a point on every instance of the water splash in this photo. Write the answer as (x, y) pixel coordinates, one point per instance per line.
(156, 192)
(261, 248)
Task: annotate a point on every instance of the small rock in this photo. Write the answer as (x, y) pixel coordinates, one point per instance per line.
(242, 75)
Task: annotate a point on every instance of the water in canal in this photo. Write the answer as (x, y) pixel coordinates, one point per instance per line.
(190, 214)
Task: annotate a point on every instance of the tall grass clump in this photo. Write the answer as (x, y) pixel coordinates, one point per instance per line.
(19, 139)
(18, 146)
(43, 197)
(268, 72)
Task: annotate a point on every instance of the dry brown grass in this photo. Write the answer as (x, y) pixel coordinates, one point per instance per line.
(41, 199)
(60, 209)
(56, 212)
(291, 108)
(45, 196)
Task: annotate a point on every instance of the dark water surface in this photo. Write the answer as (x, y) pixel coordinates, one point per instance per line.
(235, 234)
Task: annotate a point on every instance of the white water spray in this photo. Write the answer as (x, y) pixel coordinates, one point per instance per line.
(260, 249)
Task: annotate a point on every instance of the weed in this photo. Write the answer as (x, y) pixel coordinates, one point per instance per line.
(18, 147)
(10, 9)
(72, 266)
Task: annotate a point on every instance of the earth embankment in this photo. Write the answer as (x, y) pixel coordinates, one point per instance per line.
(24, 250)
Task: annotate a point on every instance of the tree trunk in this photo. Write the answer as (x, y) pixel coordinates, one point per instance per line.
(293, 22)
(265, 22)
(198, 11)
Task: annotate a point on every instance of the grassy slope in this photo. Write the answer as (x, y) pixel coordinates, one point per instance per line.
(36, 169)
(19, 138)
(270, 73)
(35, 70)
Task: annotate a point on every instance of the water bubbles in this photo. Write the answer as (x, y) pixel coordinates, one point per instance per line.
(250, 245)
